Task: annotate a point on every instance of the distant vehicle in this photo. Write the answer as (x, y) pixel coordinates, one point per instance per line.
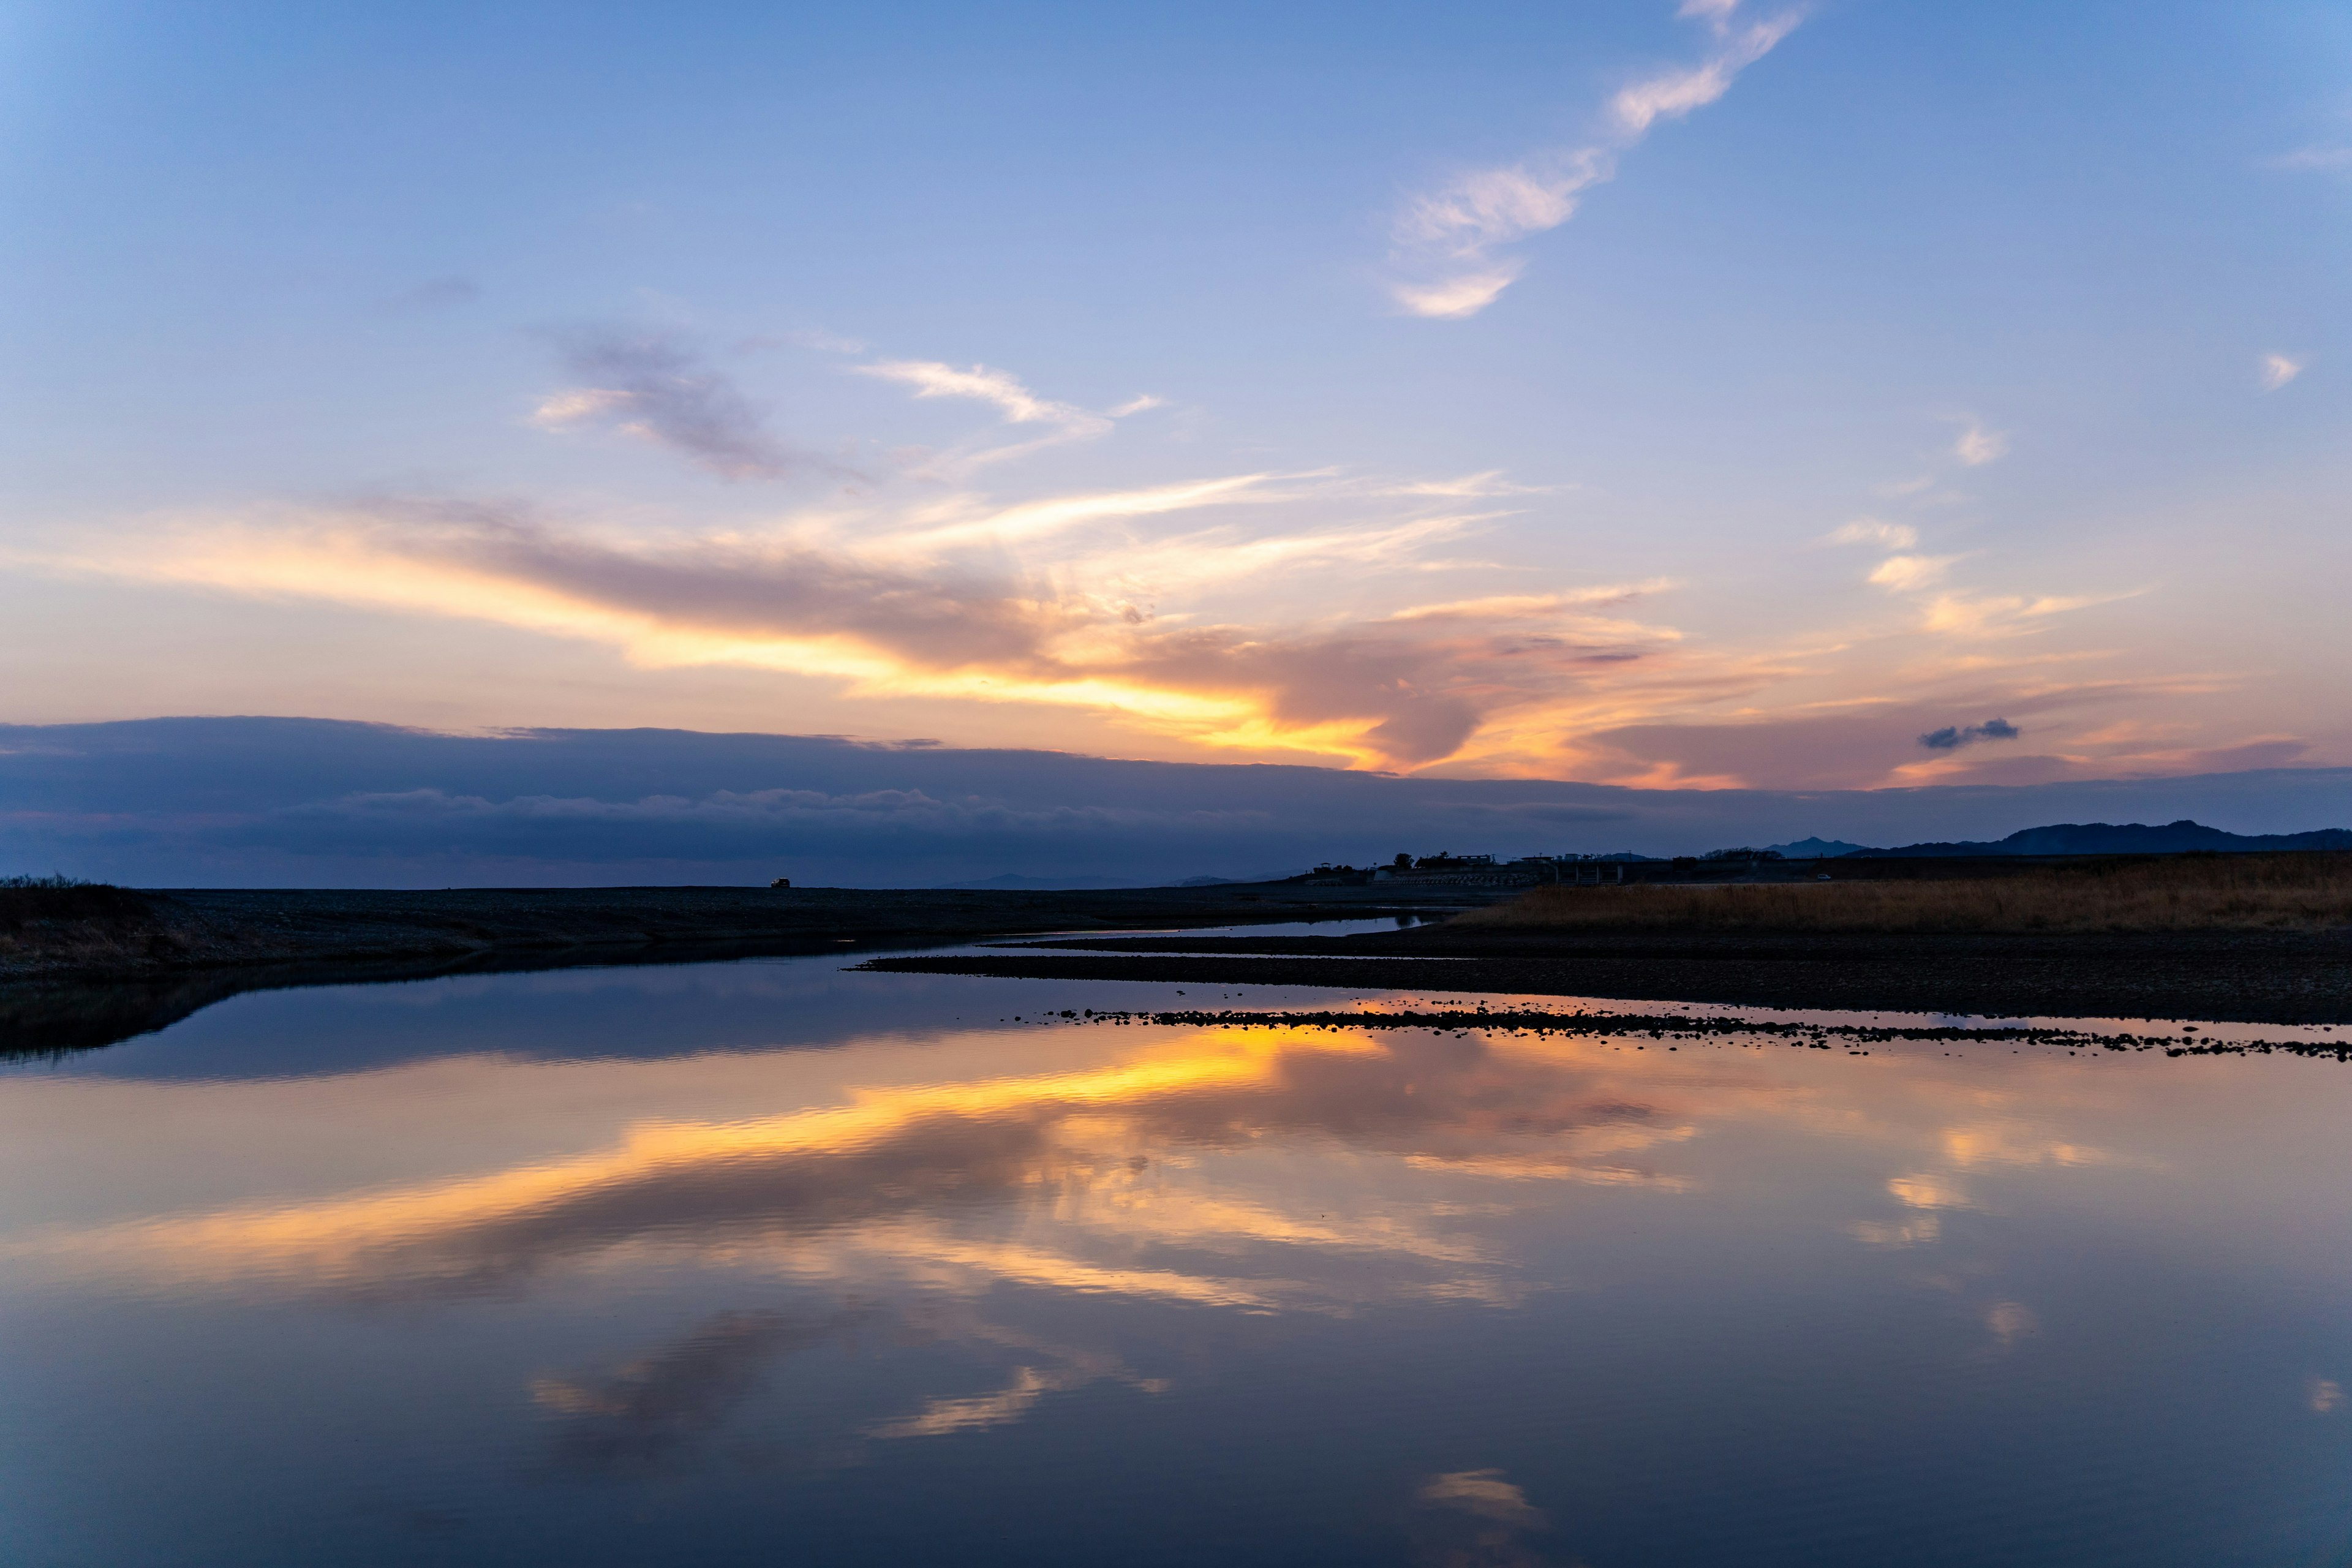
(782, 882)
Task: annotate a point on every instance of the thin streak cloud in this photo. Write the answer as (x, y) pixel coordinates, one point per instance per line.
(1011, 399)
(1446, 241)
(1000, 389)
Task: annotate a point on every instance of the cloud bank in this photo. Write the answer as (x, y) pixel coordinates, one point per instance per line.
(1059, 601)
(313, 803)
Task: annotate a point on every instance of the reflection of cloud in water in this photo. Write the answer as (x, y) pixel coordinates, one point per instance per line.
(2011, 1321)
(1927, 1190)
(655, 1409)
(1477, 1518)
(941, 1418)
(1087, 1180)
(665, 1408)
(2014, 1143)
(1899, 1233)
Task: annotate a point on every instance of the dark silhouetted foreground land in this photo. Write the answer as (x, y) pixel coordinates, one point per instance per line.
(82, 965)
(2254, 939)
(49, 932)
(2170, 894)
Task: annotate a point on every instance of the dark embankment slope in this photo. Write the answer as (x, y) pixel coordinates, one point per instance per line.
(2235, 940)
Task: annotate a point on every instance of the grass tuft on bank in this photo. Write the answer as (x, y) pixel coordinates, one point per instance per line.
(2180, 892)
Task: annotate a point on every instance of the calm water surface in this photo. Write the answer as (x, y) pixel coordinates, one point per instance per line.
(769, 1263)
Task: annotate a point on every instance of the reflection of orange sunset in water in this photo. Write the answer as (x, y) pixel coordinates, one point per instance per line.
(1256, 1168)
(918, 1247)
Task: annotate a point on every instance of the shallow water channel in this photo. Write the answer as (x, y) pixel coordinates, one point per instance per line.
(769, 1262)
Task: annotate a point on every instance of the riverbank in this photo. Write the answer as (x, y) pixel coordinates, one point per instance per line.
(2244, 976)
(79, 932)
(83, 965)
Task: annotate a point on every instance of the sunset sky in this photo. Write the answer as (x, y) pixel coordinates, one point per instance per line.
(1790, 396)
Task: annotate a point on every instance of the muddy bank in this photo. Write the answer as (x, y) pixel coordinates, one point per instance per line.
(2280, 977)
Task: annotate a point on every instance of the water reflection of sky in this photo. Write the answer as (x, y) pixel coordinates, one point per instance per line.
(761, 1262)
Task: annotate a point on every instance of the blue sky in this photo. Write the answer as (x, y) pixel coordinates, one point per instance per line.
(1077, 377)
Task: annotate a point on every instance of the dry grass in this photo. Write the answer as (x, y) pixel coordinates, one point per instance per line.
(2188, 892)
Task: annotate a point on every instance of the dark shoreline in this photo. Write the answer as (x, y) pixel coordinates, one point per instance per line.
(89, 966)
(112, 932)
(131, 962)
(2235, 976)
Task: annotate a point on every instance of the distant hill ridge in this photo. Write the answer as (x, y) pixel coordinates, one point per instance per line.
(2128, 838)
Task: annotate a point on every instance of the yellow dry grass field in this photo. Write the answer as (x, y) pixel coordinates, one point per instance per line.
(2189, 893)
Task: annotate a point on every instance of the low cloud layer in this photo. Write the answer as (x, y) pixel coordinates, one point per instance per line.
(1091, 614)
(286, 802)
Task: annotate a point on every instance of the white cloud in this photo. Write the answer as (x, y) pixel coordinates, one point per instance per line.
(1489, 483)
(1493, 206)
(1670, 97)
(1521, 606)
(1445, 239)
(2278, 370)
(565, 409)
(1137, 405)
(1870, 530)
(1901, 573)
(1456, 299)
(1977, 445)
(1019, 406)
(1037, 519)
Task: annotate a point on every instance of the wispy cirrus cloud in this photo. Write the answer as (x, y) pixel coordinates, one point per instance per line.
(1448, 242)
(2278, 370)
(1000, 389)
(1011, 399)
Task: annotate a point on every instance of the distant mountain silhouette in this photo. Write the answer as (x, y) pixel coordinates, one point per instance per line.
(1818, 848)
(2129, 838)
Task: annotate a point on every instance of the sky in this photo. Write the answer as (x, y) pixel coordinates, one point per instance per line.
(1736, 394)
